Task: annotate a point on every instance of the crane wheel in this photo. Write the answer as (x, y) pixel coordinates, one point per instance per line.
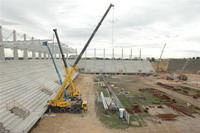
(72, 110)
(56, 110)
(78, 110)
(63, 110)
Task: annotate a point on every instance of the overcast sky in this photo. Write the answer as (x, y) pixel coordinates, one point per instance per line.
(138, 24)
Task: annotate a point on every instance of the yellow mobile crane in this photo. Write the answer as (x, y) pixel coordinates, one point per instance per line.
(59, 103)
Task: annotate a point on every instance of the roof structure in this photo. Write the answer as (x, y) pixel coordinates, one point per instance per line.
(12, 39)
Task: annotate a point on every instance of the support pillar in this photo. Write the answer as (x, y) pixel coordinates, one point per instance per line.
(48, 56)
(131, 55)
(33, 55)
(14, 35)
(25, 54)
(104, 53)
(54, 56)
(95, 53)
(85, 54)
(60, 57)
(15, 53)
(24, 37)
(44, 56)
(67, 54)
(2, 53)
(113, 54)
(140, 55)
(76, 53)
(1, 35)
(39, 55)
(122, 54)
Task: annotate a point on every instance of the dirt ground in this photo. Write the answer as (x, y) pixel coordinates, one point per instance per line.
(184, 123)
(88, 122)
(185, 98)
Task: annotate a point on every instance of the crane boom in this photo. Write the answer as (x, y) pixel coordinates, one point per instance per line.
(58, 41)
(94, 32)
(160, 57)
(57, 100)
(55, 66)
(73, 91)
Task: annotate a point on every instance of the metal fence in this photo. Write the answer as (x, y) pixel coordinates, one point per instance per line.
(17, 108)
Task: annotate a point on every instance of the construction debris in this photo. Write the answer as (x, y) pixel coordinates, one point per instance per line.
(104, 101)
(101, 84)
(136, 108)
(196, 96)
(182, 77)
(169, 77)
(124, 92)
(141, 104)
(167, 117)
(111, 105)
(97, 79)
(182, 109)
(141, 97)
(181, 89)
(146, 90)
(167, 86)
(146, 110)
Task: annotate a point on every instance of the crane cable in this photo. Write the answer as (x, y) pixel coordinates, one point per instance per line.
(113, 19)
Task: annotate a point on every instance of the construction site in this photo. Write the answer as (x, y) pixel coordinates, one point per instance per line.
(47, 86)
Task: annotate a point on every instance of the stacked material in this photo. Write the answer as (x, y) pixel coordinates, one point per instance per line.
(105, 106)
(111, 104)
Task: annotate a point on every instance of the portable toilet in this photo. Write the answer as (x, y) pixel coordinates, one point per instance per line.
(121, 112)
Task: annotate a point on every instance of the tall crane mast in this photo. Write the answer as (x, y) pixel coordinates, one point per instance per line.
(160, 57)
(58, 101)
(73, 91)
(91, 37)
